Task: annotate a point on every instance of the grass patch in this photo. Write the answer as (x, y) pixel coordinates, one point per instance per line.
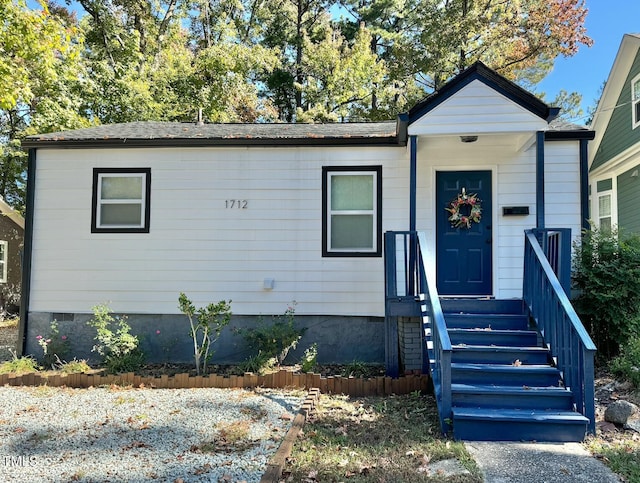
(622, 457)
(391, 439)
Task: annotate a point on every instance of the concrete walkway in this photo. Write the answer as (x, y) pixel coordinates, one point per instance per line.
(506, 462)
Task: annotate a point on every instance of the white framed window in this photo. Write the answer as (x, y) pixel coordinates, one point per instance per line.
(352, 211)
(4, 260)
(605, 208)
(121, 200)
(635, 101)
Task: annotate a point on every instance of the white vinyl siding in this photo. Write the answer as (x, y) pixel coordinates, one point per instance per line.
(477, 109)
(4, 259)
(198, 246)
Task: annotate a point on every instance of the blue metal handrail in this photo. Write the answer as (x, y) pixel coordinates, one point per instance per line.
(413, 282)
(568, 341)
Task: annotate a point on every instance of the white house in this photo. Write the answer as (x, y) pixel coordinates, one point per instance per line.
(267, 214)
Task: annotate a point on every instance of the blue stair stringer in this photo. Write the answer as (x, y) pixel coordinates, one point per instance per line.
(504, 386)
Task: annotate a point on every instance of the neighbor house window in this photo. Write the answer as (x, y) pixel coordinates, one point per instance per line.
(605, 191)
(121, 200)
(4, 259)
(635, 101)
(352, 211)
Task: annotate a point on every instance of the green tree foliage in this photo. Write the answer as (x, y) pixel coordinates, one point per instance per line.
(255, 60)
(40, 83)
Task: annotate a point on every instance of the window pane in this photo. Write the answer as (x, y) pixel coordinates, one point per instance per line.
(129, 214)
(353, 232)
(352, 192)
(121, 188)
(604, 206)
(636, 90)
(605, 224)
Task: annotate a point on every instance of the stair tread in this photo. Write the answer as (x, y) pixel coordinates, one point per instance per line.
(510, 389)
(502, 367)
(537, 415)
(500, 348)
(492, 331)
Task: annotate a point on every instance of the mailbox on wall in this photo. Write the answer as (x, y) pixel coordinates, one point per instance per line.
(515, 210)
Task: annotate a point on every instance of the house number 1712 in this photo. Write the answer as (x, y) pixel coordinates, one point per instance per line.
(238, 204)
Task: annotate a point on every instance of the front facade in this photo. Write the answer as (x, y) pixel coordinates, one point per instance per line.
(615, 155)
(265, 215)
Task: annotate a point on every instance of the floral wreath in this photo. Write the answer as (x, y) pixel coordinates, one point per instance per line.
(459, 220)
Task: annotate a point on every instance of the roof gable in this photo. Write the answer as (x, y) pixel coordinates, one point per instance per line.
(480, 82)
(613, 104)
(10, 213)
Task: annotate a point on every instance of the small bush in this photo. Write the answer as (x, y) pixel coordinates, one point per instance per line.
(19, 365)
(309, 360)
(258, 364)
(115, 343)
(54, 346)
(74, 367)
(274, 340)
(627, 364)
(206, 324)
(606, 275)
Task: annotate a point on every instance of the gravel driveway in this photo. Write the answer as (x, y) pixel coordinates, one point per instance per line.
(134, 435)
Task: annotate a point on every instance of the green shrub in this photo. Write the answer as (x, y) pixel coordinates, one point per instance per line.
(55, 347)
(309, 360)
(627, 364)
(258, 364)
(74, 367)
(274, 340)
(19, 365)
(114, 341)
(206, 325)
(606, 276)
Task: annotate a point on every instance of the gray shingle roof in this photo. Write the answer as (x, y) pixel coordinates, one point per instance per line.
(165, 133)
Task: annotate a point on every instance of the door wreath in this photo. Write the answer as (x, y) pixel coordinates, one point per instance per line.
(465, 209)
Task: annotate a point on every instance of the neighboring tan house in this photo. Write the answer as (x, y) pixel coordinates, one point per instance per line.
(11, 246)
(266, 214)
(614, 158)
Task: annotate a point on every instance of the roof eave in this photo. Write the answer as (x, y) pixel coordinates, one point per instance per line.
(570, 135)
(394, 140)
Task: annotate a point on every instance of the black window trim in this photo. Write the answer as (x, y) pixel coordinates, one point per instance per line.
(94, 202)
(325, 193)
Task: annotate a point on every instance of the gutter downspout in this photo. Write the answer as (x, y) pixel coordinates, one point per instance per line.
(584, 184)
(28, 250)
(540, 179)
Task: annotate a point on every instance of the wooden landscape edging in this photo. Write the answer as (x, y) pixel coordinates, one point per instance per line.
(352, 386)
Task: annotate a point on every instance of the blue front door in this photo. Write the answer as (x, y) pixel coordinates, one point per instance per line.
(463, 252)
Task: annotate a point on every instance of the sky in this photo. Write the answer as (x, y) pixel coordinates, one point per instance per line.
(606, 23)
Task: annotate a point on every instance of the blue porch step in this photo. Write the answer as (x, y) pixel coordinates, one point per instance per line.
(514, 338)
(487, 321)
(478, 354)
(511, 397)
(504, 386)
(512, 375)
(482, 424)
